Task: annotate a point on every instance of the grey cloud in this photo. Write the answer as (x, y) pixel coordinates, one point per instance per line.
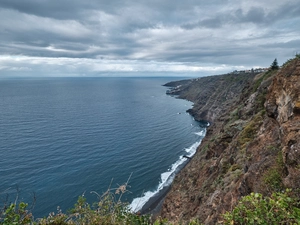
(44, 8)
(254, 15)
(67, 9)
(288, 10)
(215, 22)
(192, 31)
(285, 45)
(283, 12)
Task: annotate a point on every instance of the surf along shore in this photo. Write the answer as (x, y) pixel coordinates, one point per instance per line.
(211, 96)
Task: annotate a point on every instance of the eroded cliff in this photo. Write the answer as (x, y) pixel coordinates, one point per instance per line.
(212, 95)
(252, 146)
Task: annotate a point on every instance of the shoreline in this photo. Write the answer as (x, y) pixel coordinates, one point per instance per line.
(154, 203)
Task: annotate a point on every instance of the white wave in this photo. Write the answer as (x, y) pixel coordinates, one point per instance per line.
(201, 133)
(137, 203)
(192, 150)
(166, 178)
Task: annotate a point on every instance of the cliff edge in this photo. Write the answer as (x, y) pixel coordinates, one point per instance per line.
(253, 144)
(212, 95)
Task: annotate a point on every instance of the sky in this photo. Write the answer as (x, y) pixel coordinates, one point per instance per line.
(107, 37)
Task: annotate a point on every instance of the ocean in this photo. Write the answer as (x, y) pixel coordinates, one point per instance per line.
(65, 137)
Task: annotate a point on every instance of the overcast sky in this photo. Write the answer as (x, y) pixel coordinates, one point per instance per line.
(96, 37)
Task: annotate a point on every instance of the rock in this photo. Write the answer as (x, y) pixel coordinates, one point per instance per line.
(212, 95)
(271, 109)
(255, 133)
(296, 109)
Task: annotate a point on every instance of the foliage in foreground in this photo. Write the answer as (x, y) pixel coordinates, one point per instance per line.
(279, 208)
(109, 210)
(106, 211)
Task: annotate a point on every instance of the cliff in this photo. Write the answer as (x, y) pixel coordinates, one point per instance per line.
(212, 95)
(253, 144)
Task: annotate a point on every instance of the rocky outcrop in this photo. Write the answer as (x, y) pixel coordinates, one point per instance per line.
(252, 146)
(283, 101)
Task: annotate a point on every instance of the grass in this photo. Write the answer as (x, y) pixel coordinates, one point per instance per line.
(273, 176)
(263, 77)
(250, 130)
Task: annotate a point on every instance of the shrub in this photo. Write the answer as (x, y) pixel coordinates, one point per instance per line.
(273, 176)
(250, 130)
(108, 210)
(16, 215)
(280, 208)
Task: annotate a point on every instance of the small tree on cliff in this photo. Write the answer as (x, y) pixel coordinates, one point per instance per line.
(274, 65)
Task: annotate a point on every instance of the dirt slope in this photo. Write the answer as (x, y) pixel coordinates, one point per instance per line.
(252, 146)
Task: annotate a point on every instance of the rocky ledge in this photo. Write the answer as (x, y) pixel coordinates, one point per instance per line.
(253, 144)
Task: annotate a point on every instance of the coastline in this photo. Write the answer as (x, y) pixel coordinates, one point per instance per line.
(251, 135)
(209, 102)
(154, 204)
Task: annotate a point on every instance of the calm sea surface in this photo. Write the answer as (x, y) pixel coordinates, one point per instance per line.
(62, 137)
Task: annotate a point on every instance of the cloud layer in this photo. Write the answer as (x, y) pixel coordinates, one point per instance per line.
(75, 37)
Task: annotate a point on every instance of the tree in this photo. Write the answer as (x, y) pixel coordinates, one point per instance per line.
(274, 65)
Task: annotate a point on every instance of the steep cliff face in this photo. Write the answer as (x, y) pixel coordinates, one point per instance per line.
(253, 146)
(212, 95)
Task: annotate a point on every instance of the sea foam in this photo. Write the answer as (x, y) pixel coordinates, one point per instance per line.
(166, 177)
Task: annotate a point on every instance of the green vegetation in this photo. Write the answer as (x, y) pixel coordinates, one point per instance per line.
(261, 90)
(109, 210)
(235, 167)
(15, 215)
(273, 176)
(106, 211)
(297, 56)
(263, 77)
(279, 208)
(250, 130)
(274, 65)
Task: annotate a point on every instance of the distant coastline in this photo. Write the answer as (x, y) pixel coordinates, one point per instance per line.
(154, 204)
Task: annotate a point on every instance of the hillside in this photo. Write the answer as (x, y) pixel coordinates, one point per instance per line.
(212, 95)
(252, 145)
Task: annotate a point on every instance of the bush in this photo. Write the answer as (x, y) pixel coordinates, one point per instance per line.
(108, 210)
(15, 215)
(280, 208)
(273, 176)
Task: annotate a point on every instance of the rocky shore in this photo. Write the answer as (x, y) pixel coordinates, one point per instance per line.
(211, 95)
(252, 145)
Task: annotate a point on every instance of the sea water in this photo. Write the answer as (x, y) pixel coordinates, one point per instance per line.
(65, 137)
